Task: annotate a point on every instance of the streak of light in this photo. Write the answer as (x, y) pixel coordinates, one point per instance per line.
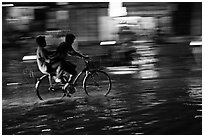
(11, 84)
(79, 128)
(149, 74)
(122, 70)
(7, 5)
(46, 130)
(192, 43)
(107, 42)
(30, 57)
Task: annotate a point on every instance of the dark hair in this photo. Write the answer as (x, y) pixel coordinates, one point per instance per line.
(69, 37)
(40, 40)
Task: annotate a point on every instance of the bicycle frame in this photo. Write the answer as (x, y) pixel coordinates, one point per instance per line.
(65, 87)
(85, 70)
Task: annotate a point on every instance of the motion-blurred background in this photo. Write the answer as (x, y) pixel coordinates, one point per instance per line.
(151, 50)
(98, 25)
(97, 21)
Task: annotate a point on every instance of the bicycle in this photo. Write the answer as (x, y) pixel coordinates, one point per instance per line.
(95, 82)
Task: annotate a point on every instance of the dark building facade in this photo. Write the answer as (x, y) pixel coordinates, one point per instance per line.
(82, 18)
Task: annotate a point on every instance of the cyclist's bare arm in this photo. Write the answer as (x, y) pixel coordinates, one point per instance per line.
(42, 56)
(74, 53)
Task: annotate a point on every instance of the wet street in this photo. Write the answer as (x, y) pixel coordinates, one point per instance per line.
(160, 93)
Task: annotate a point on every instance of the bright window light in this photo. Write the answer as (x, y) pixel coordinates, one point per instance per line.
(196, 43)
(7, 5)
(116, 9)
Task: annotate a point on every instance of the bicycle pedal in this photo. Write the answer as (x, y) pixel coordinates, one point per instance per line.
(68, 95)
(51, 89)
(71, 89)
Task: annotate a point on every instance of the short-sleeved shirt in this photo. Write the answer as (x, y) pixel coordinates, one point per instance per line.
(42, 56)
(64, 49)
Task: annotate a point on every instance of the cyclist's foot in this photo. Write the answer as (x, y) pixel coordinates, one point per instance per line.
(51, 89)
(57, 80)
(69, 88)
(72, 90)
(65, 86)
(68, 95)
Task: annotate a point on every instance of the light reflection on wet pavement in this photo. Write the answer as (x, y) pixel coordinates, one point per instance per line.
(161, 95)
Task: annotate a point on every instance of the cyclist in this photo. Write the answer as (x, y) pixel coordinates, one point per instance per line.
(62, 50)
(58, 62)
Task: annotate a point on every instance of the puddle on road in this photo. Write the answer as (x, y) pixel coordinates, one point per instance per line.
(136, 107)
(25, 99)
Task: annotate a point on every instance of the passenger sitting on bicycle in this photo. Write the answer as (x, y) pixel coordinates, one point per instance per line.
(62, 50)
(44, 59)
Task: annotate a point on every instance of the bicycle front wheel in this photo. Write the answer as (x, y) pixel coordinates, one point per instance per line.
(97, 83)
(45, 92)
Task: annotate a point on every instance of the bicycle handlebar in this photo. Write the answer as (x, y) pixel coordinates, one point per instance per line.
(86, 61)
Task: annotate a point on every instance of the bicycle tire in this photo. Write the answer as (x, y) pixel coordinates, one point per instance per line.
(97, 83)
(44, 92)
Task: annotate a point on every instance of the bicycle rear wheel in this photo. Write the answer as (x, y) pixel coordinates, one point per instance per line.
(97, 83)
(44, 92)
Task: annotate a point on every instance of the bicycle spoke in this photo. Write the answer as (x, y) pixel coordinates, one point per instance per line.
(98, 83)
(44, 91)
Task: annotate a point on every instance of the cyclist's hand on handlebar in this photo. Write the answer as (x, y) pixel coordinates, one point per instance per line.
(86, 57)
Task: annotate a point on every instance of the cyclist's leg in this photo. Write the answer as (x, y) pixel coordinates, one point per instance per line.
(73, 74)
(57, 70)
(50, 80)
(71, 69)
(68, 67)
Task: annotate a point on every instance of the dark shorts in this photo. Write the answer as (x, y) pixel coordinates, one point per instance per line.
(51, 67)
(69, 67)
